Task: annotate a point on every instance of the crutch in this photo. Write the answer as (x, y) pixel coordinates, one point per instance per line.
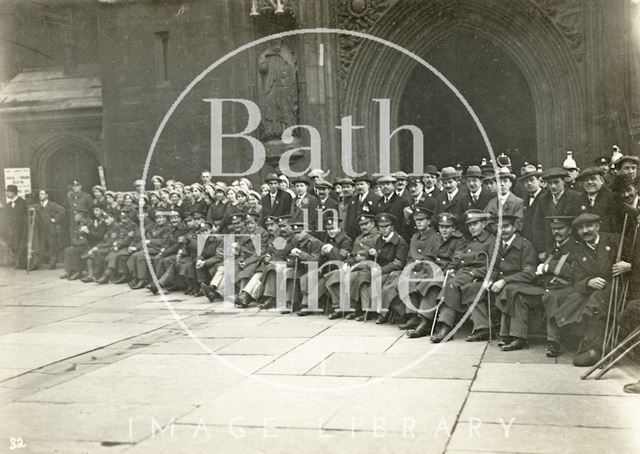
(632, 336)
(612, 308)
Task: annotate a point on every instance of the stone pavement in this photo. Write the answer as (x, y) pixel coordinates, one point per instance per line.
(91, 369)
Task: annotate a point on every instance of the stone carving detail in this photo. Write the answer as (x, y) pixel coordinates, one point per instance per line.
(356, 15)
(278, 90)
(568, 16)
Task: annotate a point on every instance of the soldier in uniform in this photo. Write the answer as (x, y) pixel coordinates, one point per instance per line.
(124, 235)
(78, 201)
(95, 256)
(335, 248)
(390, 254)
(512, 286)
(209, 264)
(596, 265)
(124, 251)
(556, 276)
(278, 246)
(362, 246)
(305, 249)
(468, 266)
(157, 238)
(247, 259)
(420, 258)
(73, 264)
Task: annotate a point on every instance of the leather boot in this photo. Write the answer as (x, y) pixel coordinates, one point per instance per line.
(481, 335)
(89, 276)
(413, 322)
(442, 331)
(104, 279)
(421, 330)
(516, 344)
(587, 358)
(138, 285)
(209, 291)
(122, 279)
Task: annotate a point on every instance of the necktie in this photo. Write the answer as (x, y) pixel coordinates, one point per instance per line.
(592, 200)
(474, 198)
(504, 247)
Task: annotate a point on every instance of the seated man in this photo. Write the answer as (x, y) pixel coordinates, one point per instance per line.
(556, 276)
(248, 253)
(73, 264)
(448, 242)
(469, 265)
(95, 260)
(277, 253)
(390, 253)
(156, 239)
(124, 235)
(360, 253)
(209, 263)
(513, 289)
(596, 266)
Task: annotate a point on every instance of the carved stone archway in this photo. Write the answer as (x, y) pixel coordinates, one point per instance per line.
(549, 61)
(62, 158)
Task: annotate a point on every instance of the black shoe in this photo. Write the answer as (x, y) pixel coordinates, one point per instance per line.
(152, 288)
(360, 318)
(74, 276)
(88, 278)
(352, 316)
(65, 276)
(138, 285)
(413, 322)
(586, 359)
(421, 330)
(516, 344)
(441, 332)
(482, 335)
(104, 279)
(335, 315)
(268, 303)
(382, 319)
(304, 312)
(553, 349)
(122, 279)
(505, 340)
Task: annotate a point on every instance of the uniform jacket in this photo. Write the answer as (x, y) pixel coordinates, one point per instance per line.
(361, 246)
(590, 264)
(342, 245)
(97, 229)
(604, 206)
(80, 202)
(559, 264)
(310, 248)
(392, 254)
(158, 236)
(472, 259)
(216, 211)
(455, 206)
(447, 249)
(213, 251)
(568, 205)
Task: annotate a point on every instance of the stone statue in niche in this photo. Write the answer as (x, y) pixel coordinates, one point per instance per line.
(278, 90)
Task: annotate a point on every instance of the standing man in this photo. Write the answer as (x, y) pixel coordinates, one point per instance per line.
(363, 201)
(533, 225)
(391, 202)
(277, 202)
(475, 196)
(304, 208)
(401, 185)
(430, 181)
(78, 200)
(628, 165)
(451, 200)
(558, 200)
(325, 201)
(49, 220)
(597, 198)
(16, 218)
(505, 202)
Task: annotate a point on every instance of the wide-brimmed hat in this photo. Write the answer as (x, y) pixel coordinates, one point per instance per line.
(529, 171)
(473, 172)
(590, 171)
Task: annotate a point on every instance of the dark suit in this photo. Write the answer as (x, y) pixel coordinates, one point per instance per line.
(16, 228)
(455, 206)
(567, 205)
(604, 206)
(306, 204)
(354, 208)
(480, 203)
(393, 205)
(280, 207)
(533, 222)
(49, 221)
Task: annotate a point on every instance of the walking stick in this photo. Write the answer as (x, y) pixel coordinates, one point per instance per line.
(31, 224)
(293, 288)
(440, 301)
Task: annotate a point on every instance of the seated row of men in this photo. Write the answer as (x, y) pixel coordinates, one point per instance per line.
(432, 281)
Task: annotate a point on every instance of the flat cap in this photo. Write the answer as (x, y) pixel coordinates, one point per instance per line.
(386, 179)
(323, 184)
(555, 172)
(590, 171)
(400, 175)
(585, 218)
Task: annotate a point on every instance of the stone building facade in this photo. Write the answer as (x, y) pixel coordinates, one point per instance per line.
(87, 83)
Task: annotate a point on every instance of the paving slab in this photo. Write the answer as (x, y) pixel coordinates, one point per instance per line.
(547, 379)
(267, 439)
(378, 365)
(555, 410)
(396, 403)
(490, 437)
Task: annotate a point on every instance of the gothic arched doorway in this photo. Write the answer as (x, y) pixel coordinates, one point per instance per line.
(494, 86)
(63, 160)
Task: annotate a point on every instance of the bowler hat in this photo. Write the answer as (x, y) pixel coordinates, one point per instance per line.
(12, 188)
(473, 172)
(449, 173)
(529, 171)
(431, 170)
(364, 177)
(300, 179)
(271, 177)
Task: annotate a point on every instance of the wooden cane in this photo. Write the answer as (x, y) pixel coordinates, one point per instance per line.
(31, 223)
(612, 307)
(293, 285)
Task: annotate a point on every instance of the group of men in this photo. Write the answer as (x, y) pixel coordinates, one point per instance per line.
(425, 250)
